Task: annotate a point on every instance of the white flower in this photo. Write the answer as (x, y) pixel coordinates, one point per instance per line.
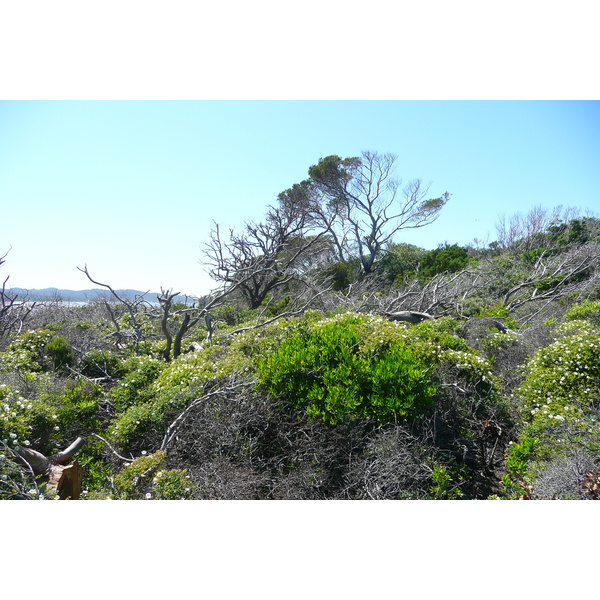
(148, 496)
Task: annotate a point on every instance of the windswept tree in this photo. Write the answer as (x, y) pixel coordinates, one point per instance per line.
(363, 205)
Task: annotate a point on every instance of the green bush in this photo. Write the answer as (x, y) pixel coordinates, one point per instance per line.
(59, 352)
(337, 372)
(558, 404)
(101, 363)
(35, 351)
(146, 478)
(588, 310)
(134, 387)
(445, 259)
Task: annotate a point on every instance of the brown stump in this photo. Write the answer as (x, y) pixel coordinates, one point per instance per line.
(53, 478)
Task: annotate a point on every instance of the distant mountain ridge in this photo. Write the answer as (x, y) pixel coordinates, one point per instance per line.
(84, 295)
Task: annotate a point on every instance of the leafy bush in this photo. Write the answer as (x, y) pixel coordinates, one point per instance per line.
(335, 371)
(101, 363)
(400, 262)
(588, 310)
(559, 404)
(146, 478)
(39, 350)
(445, 259)
(133, 388)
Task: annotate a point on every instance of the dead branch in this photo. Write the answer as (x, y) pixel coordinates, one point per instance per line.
(176, 424)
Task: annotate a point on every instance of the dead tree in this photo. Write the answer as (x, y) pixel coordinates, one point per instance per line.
(189, 318)
(263, 256)
(14, 310)
(133, 308)
(409, 316)
(553, 277)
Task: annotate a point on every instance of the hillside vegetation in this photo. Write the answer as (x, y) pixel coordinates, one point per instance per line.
(323, 369)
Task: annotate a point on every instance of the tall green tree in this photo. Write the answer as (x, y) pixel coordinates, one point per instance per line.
(362, 195)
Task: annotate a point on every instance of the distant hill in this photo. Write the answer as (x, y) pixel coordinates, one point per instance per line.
(84, 295)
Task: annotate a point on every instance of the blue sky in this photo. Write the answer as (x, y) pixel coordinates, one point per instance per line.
(130, 187)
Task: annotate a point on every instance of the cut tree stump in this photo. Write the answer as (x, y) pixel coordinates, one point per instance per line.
(53, 478)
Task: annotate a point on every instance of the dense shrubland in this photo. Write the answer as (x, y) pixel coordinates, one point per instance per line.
(302, 377)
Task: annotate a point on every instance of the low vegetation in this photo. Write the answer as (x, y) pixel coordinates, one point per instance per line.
(325, 368)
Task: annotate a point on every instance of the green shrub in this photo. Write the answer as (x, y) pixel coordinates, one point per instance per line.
(558, 404)
(59, 352)
(77, 405)
(445, 259)
(443, 487)
(588, 310)
(101, 363)
(134, 387)
(35, 351)
(337, 372)
(146, 478)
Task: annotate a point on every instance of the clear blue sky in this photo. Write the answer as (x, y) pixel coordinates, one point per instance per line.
(130, 187)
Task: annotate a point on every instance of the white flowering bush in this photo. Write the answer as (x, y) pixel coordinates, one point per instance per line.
(134, 387)
(35, 351)
(23, 420)
(153, 392)
(558, 401)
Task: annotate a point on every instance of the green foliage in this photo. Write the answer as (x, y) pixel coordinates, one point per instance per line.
(589, 310)
(146, 478)
(101, 363)
(519, 456)
(576, 231)
(501, 313)
(400, 262)
(445, 259)
(342, 274)
(133, 388)
(35, 351)
(78, 405)
(337, 372)
(272, 309)
(443, 486)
